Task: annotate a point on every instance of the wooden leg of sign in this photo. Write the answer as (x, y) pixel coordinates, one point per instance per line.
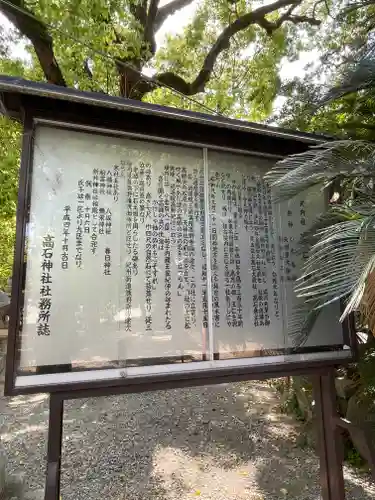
(56, 410)
(321, 435)
(329, 436)
(334, 443)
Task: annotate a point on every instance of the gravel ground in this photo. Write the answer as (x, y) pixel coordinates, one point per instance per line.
(225, 442)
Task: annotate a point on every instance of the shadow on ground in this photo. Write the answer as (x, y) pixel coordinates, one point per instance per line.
(224, 442)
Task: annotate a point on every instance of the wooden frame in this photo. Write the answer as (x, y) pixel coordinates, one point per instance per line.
(38, 104)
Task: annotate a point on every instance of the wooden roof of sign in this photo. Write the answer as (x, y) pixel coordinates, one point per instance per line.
(98, 109)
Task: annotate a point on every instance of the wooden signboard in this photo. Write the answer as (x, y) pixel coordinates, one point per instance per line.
(149, 251)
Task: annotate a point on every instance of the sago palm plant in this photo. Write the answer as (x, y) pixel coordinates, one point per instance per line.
(341, 242)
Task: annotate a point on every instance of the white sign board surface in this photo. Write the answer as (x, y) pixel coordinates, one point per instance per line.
(142, 253)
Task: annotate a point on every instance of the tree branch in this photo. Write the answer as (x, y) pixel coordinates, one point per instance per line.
(168, 10)
(139, 11)
(150, 25)
(304, 19)
(223, 41)
(90, 76)
(36, 32)
(270, 27)
(316, 5)
(152, 11)
(350, 125)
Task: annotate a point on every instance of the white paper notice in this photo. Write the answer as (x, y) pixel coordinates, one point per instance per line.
(116, 266)
(117, 255)
(254, 262)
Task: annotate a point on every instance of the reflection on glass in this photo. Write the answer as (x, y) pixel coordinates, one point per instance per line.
(116, 268)
(122, 270)
(254, 261)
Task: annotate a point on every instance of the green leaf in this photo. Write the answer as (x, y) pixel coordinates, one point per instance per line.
(341, 258)
(320, 165)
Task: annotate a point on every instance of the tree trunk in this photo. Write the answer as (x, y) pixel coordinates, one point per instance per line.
(132, 85)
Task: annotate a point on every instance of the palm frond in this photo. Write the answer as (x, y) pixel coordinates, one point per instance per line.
(358, 76)
(364, 200)
(367, 307)
(355, 6)
(320, 165)
(335, 215)
(302, 322)
(341, 259)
